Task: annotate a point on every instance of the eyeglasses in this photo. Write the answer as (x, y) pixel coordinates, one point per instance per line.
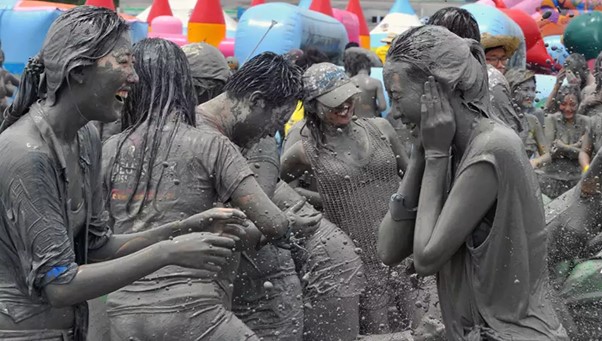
(340, 108)
(496, 60)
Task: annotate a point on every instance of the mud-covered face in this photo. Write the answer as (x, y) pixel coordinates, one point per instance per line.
(109, 81)
(259, 118)
(524, 94)
(497, 58)
(404, 92)
(568, 106)
(338, 117)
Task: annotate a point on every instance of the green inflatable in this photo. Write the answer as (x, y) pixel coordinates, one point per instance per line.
(583, 35)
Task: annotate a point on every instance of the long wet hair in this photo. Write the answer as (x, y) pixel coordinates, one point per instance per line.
(355, 62)
(458, 21)
(76, 39)
(272, 75)
(164, 93)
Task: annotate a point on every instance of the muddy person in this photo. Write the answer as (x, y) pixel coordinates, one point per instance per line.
(8, 84)
(161, 166)
(490, 216)
(267, 291)
(371, 99)
(357, 164)
(52, 227)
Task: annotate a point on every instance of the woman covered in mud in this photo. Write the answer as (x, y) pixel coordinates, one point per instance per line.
(160, 168)
(566, 130)
(592, 107)
(467, 208)
(357, 165)
(576, 72)
(51, 222)
(522, 88)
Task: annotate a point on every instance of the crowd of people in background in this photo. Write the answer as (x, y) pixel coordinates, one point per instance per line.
(152, 175)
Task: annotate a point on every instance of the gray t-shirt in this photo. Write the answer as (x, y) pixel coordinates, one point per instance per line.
(192, 173)
(38, 240)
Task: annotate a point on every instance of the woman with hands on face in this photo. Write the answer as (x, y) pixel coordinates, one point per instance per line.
(467, 208)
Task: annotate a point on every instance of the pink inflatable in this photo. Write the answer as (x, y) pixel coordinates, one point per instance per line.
(351, 23)
(168, 28)
(226, 47)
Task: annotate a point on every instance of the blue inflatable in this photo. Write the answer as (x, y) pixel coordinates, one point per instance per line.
(495, 22)
(556, 49)
(294, 27)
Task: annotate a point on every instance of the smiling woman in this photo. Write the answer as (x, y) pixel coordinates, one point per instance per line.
(50, 193)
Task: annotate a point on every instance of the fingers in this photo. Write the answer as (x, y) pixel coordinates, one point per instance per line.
(310, 221)
(216, 260)
(227, 213)
(218, 252)
(235, 230)
(297, 206)
(209, 267)
(220, 241)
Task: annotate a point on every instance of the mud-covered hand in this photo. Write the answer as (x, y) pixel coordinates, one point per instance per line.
(438, 124)
(201, 250)
(220, 220)
(302, 224)
(561, 76)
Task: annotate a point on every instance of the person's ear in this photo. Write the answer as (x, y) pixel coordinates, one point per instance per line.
(78, 74)
(257, 99)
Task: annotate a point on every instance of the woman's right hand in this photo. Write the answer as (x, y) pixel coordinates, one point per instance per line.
(200, 250)
(561, 76)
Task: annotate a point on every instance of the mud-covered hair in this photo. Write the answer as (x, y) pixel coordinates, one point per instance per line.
(568, 90)
(355, 62)
(165, 93)
(77, 38)
(458, 21)
(312, 56)
(272, 75)
(598, 72)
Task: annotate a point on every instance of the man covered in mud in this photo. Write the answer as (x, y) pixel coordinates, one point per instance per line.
(8, 84)
(267, 291)
(370, 102)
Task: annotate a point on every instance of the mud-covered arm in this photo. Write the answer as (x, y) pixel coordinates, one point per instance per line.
(542, 144)
(443, 225)
(590, 182)
(264, 161)
(396, 231)
(398, 149)
(380, 97)
(585, 154)
(294, 163)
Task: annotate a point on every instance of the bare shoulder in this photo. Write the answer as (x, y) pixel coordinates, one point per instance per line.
(383, 125)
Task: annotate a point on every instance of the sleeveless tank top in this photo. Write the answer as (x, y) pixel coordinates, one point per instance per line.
(498, 290)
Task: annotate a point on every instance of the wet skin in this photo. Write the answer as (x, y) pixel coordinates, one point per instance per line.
(371, 101)
(440, 233)
(91, 96)
(245, 121)
(568, 107)
(497, 58)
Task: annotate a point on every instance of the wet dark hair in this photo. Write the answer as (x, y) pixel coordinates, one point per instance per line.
(567, 90)
(351, 44)
(164, 93)
(77, 38)
(272, 75)
(458, 21)
(310, 57)
(208, 89)
(355, 62)
(578, 65)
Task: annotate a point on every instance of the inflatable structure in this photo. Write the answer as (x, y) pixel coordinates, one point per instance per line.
(401, 17)
(584, 35)
(280, 27)
(23, 27)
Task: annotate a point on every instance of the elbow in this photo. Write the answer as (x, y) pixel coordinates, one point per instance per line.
(425, 264)
(388, 258)
(57, 295)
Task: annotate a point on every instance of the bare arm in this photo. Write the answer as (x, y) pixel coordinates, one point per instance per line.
(294, 163)
(396, 236)
(400, 153)
(443, 226)
(197, 250)
(542, 145)
(380, 97)
(586, 151)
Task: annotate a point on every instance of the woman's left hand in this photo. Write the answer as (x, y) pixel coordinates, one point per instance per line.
(438, 124)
